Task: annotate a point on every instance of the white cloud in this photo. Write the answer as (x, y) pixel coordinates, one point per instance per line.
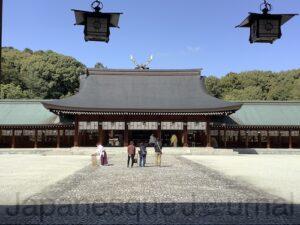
(193, 49)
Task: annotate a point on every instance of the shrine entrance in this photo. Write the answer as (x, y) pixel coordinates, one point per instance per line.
(138, 136)
(197, 138)
(88, 138)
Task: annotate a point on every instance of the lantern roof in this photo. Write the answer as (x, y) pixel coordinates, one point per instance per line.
(248, 21)
(82, 15)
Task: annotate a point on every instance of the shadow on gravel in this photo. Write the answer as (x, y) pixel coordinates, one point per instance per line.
(152, 213)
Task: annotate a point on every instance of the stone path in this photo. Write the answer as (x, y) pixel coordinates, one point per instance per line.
(179, 192)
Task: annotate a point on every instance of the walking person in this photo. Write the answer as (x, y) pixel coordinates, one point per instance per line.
(131, 153)
(158, 152)
(143, 154)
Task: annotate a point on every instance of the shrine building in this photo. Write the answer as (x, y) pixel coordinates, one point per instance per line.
(119, 106)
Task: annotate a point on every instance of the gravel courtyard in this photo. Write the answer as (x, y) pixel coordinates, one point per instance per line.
(24, 175)
(180, 192)
(275, 174)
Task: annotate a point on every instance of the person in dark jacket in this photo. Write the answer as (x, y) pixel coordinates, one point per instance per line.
(143, 154)
(131, 153)
(158, 152)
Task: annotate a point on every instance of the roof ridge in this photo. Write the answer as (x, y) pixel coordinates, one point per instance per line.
(137, 72)
(269, 102)
(15, 101)
(148, 70)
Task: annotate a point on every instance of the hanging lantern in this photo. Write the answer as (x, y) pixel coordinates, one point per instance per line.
(97, 24)
(265, 27)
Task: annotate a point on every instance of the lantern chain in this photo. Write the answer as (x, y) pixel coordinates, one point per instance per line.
(97, 6)
(266, 7)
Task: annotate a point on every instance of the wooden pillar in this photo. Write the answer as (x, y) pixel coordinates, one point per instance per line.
(219, 138)
(76, 135)
(185, 135)
(35, 138)
(159, 130)
(58, 138)
(268, 139)
(13, 139)
(0, 135)
(259, 139)
(64, 137)
(247, 140)
(225, 137)
(290, 139)
(298, 138)
(279, 139)
(100, 133)
(208, 136)
(126, 141)
(239, 139)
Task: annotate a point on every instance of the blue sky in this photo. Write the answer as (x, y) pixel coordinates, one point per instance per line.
(180, 34)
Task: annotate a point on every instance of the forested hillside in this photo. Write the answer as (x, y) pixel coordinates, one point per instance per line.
(49, 75)
(256, 85)
(43, 75)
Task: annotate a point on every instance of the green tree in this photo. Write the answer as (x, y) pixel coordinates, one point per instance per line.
(248, 94)
(295, 91)
(99, 65)
(45, 74)
(256, 85)
(12, 91)
(212, 84)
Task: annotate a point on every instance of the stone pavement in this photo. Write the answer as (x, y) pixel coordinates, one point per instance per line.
(179, 192)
